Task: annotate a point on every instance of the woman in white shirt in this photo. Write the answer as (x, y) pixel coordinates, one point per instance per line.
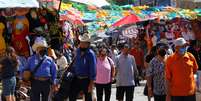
(61, 63)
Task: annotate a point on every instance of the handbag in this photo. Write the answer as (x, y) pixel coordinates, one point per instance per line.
(28, 74)
(145, 92)
(65, 84)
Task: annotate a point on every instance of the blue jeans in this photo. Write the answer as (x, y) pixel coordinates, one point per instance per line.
(9, 85)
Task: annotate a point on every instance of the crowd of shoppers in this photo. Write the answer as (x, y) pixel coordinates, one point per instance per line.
(170, 76)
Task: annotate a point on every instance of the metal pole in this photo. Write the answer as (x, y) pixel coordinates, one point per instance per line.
(155, 2)
(58, 16)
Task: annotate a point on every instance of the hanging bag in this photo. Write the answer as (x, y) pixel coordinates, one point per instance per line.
(28, 75)
(65, 83)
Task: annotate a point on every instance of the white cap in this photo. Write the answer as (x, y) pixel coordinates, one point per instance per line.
(180, 42)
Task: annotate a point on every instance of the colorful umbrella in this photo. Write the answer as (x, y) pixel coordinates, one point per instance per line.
(98, 3)
(72, 18)
(127, 20)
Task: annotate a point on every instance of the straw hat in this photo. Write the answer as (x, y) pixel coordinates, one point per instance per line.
(39, 42)
(85, 37)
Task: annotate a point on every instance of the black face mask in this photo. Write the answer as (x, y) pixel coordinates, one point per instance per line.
(162, 52)
(43, 52)
(83, 49)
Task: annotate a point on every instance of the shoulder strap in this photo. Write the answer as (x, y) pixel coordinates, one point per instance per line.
(37, 66)
(109, 62)
(110, 67)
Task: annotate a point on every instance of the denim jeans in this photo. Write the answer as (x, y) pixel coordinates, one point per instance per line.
(9, 85)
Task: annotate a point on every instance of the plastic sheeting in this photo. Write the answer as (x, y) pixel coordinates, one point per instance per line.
(19, 3)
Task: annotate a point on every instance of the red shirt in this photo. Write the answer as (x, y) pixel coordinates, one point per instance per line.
(139, 56)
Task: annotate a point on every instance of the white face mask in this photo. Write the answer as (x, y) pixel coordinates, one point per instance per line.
(33, 15)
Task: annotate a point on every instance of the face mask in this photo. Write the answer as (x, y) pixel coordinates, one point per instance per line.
(43, 52)
(162, 52)
(83, 49)
(103, 54)
(182, 50)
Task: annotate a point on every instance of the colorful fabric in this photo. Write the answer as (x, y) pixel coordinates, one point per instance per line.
(156, 70)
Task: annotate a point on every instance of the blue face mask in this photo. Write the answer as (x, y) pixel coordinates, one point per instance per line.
(182, 50)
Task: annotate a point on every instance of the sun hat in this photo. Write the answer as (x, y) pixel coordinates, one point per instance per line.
(85, 37)
(180, 42)
(39, 42)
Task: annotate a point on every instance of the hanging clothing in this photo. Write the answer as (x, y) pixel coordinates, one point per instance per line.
(20, 31)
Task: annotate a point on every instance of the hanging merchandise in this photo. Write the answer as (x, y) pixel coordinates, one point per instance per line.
(8, 17)
(20, 31)
(2, 41)
(130, 32)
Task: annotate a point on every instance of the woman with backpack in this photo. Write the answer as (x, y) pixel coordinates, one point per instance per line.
(105, 74)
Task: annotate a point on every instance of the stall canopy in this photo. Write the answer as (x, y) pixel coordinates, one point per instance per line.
(98, 3)
(19, 3)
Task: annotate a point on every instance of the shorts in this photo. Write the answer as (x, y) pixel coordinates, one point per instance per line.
(129, 90)
(9, 85)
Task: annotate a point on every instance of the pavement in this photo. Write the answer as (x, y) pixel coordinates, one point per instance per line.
(138, 93)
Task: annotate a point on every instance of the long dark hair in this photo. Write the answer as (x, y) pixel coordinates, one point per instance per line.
(11, 54)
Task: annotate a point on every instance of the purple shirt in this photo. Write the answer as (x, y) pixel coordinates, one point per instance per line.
(104, 70)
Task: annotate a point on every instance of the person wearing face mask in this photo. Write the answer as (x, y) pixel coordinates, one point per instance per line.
(180, 69)
(156, 73)
(126, 69)
(84, 69)
(45, 75)
(105, 74)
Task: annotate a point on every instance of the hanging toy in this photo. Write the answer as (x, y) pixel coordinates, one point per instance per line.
(20, 31)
